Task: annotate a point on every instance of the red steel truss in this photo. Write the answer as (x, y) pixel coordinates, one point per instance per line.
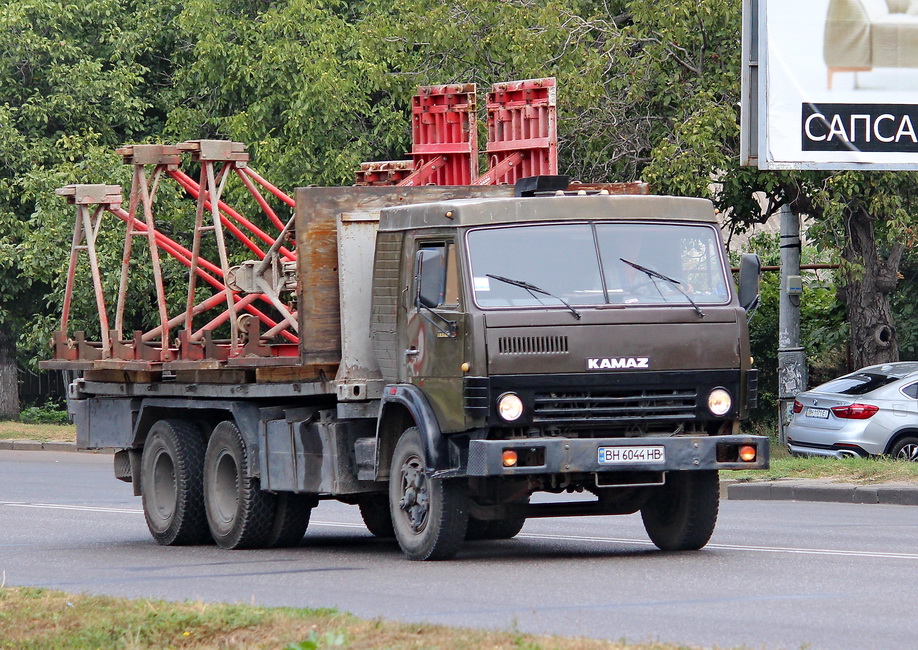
(247, 298)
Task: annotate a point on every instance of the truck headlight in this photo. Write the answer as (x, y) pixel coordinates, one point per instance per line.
(509, 406)
(719, 401)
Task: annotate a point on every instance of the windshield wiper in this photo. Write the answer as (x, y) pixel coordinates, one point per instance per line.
(531, 288)
(656, 274)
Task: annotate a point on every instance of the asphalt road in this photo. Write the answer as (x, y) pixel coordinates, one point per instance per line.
(776, 574)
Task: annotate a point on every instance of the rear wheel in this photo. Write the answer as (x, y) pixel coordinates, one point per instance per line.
(429, 517)
(906, 449)
(681, 515)
(240, 515)
(171, 480)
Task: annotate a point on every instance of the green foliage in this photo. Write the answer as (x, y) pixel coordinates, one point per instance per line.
(49, 413)
(76, 80)
(823, 330)
(648, 89)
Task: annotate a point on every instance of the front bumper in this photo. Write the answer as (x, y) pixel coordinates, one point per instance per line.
(569, 455)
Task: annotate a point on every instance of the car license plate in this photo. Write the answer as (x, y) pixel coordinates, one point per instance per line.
(813, 412)
(629, 455)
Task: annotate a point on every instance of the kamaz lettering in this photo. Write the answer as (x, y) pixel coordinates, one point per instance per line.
(621, 362)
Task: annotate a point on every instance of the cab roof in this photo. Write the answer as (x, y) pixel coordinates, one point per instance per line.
(493, 211)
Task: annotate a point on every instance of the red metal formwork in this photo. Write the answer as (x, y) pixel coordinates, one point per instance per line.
(444, 133)
(233, 291)
(522, 131)
(384, 172)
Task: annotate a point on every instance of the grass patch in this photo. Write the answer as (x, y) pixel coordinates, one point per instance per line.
(848, 470)
(40, 618)
(41, 432)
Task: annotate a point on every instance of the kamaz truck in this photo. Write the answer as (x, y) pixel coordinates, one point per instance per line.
(459, 352)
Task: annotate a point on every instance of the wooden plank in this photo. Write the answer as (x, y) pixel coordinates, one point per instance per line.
(221, 376)
(122, 376)
(314, 372)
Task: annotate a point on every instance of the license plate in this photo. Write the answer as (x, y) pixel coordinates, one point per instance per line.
(629, 455)
(813, 412)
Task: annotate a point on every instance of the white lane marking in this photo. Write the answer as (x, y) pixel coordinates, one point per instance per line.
(573, 538)
(335, 524)
(61, 506)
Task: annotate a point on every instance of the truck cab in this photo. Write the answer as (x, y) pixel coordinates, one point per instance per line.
(562, 343)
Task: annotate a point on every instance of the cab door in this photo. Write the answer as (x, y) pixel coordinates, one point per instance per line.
(435, 330)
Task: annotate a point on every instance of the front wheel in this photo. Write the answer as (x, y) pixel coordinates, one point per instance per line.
(681, 515)
(429, 517)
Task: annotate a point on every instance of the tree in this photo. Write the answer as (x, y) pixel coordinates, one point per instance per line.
(868, 217)
(75, 79)
(649, 90)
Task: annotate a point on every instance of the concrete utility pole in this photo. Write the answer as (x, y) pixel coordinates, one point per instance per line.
(792, 371)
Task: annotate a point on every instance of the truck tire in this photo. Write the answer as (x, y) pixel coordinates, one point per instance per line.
(495, 528)
(172, 483)
(429, 517)
(374, 509)
(506, 528)
(680, 515)
(291, 519)
(240, 515)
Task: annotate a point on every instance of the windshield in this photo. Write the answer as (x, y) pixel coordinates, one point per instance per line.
(596, 264)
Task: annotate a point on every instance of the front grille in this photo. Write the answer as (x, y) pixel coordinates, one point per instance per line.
(613, 407)
(752, 389)
(475, 396)
(532, 345)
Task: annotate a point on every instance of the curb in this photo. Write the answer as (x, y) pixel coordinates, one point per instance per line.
(35, 445)
(823, 490)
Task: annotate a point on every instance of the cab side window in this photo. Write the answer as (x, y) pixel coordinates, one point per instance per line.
(445, 275)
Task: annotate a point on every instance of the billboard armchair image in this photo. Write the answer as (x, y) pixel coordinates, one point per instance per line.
(861, 35)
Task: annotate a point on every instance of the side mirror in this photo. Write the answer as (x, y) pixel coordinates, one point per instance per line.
(749, 270)
(428, 277)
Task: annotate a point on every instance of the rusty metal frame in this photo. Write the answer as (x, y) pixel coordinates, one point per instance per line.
(218, 160)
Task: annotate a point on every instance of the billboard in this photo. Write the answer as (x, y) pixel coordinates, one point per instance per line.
(831, 84)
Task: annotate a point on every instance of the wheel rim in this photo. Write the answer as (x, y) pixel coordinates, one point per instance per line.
(415, 500)
(908, 452)
(164, 490)
(226, 487)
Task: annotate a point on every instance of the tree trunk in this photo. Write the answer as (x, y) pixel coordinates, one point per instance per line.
(873, 336)
(9, 377)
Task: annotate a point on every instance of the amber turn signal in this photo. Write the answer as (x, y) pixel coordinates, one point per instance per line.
(747, 453)
(509, 457)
